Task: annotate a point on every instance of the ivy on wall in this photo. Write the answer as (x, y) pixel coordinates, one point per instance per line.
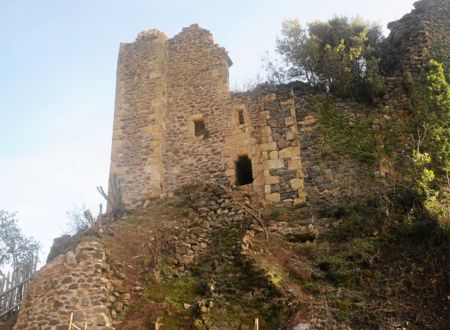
(356, 136)
(431, 170)
(441, 54)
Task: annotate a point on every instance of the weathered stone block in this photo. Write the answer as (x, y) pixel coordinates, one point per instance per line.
(270, 97)
(271, 180)
(289, 121)
(290, 152)
(272, 164)
(273, 198)
(294, 164)
(120, 171)
(269, 146)
(296, 184)
(273, 154)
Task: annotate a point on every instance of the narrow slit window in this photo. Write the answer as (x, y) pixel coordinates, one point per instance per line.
(200, 128)
(241, 117)
(244, 173)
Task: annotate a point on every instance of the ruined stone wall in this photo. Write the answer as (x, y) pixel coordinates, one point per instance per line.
(136, 156)
(281, 152)
(297, 164)
(197, 90)
(165, 87)
(74, 282)
(329, 178)
(269, 137)
(333, 177)
(246, 139)
(414, 37)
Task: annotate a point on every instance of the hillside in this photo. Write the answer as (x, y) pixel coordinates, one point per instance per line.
(171, 265)
(321, 201)
(364, 270)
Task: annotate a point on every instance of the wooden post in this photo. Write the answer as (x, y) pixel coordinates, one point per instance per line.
(71, 324)
(157, 323)
(256, 324)
(70, 321)
(13, 285)
(6, 296)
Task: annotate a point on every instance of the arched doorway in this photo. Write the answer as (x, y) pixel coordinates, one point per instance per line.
(244, 173)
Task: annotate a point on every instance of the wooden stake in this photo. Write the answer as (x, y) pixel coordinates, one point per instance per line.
(70, 321)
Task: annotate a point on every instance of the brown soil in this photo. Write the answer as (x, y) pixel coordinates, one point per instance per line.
(401, 284)
(133, 246)
(404, 283)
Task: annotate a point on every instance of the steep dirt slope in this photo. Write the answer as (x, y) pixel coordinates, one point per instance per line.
(363, 271)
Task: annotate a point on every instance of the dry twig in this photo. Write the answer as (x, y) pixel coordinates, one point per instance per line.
(257, 215)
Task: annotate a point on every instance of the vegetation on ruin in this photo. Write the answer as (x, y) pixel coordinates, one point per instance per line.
(380, 259)
(222, 288)
(431, 125)
(387, 256)
(342, 56)
(339, 55)
(440, 53)
(168, 303)
(356, 136)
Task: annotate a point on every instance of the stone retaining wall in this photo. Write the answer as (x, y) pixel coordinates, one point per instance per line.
(75, 282)
(212, 208)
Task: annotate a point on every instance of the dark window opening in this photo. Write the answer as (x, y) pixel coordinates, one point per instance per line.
(244, 174)
(200, 128)
(241, 117)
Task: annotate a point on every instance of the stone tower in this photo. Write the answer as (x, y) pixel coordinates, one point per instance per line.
(177, 123)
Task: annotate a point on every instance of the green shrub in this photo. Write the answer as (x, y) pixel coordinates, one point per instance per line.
(338, 55)
(431, 158)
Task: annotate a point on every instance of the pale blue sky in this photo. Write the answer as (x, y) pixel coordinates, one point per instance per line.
(57, 84)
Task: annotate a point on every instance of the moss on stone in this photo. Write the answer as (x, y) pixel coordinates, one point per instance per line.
(355, 135)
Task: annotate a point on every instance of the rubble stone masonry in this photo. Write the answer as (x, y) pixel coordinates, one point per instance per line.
(177, 123)
(72, 283)
(417, 35)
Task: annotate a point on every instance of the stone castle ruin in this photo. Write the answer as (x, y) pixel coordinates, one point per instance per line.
(177, 123)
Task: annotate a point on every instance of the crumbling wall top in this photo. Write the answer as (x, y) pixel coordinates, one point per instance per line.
(195, 33)
(151, 34)
(414, 37)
